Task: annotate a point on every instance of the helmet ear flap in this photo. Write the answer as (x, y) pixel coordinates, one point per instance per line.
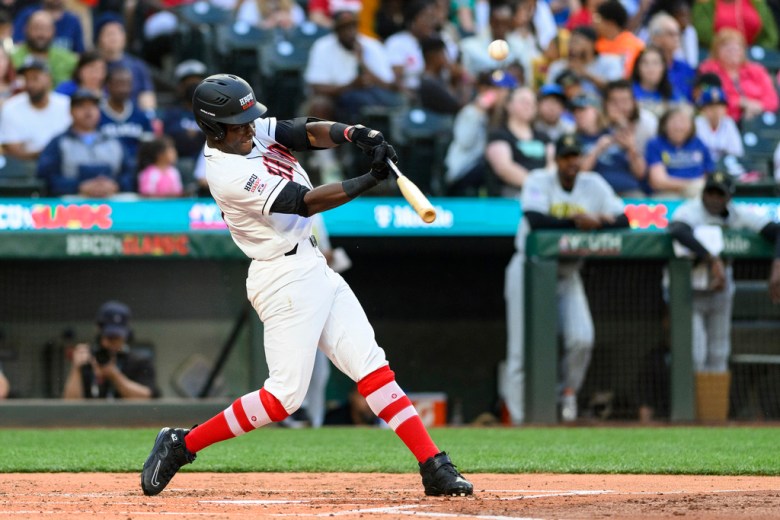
(213, 130)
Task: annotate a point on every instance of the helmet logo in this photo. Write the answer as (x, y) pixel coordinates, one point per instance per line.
(208, 113)
(246, 101)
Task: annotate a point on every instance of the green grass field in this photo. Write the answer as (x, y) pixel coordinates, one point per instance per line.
(715, 451)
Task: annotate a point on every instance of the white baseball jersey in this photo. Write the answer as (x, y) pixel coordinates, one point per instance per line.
(693, 213)
(543, 193)
(246, 186)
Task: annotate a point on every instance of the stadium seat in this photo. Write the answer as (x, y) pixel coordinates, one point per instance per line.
(238, 45)
(422, 137)
(769, 58)
(282, 62)
(19, 178)
(195, 37)
(761, 135)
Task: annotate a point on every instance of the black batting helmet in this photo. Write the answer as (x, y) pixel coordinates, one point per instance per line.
(225, 99)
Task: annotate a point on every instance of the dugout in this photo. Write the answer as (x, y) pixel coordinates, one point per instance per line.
(434, 296)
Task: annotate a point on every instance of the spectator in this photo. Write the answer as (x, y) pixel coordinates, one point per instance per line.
(39, 36)
(650, 80)
(403, 48)
(178, 120)
(109, 369)
(664, 33)
(677, 160)
(593, 69)
(474, 49)
(551, 118)
(526, 36)
(82, 160)
(558, 49)
(389, 18)
(689, 49)
(465, 159)
(514, 149)
(9, 85)
(748, 87)
(622, 162)
(322, 12)
(90, 73)
(68, 33)
(158, 176)
(713, 298)
(5, 386)
(120, 118)
(613, 38)
(704, 81)
(35, 116)
(111, 41)
(715, 128)
(441, 87)
(751, 18)
(363, 78)
(566, 197)
(584, 16)
(571, 84)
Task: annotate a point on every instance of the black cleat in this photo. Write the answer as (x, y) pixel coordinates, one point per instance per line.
(168, 455)
(440, 478)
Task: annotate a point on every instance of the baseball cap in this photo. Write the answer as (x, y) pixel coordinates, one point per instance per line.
(189, 68)
(552, 91)
(568, 144)
(585, 100)
(113, 319)
(84, 94)
(720, 181)
(33, 63)
(711, 96)
(499, 78)
(568, 78)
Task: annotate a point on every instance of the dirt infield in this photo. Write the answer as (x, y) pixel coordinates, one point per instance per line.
(383, 496)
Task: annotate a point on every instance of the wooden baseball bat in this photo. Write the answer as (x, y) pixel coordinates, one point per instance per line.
(413, 195)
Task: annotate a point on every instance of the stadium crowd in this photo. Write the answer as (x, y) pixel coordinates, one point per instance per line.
(661, 92)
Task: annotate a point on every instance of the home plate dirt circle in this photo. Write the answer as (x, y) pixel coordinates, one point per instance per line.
(383, 496)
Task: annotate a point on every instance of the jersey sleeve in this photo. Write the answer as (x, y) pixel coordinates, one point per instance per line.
(749, 218)
(536, 194)
(653, 153)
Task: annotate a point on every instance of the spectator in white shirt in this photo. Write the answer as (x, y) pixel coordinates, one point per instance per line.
(35, 116)
(403, 48)
(714, 127)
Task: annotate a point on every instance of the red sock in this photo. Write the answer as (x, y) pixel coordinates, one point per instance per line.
(389, 403)
(247, 413)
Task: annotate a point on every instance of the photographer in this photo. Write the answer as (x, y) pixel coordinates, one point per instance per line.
(109, 369)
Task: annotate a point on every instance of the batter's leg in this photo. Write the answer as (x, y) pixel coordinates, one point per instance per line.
(314, 402)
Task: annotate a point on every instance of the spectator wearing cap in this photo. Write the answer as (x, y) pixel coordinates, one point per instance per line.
(465, 160)
(594, 69)
(363, 78)
(677, 160)
(35, 116)
(68, 32)
(552, 118)
(82, 160)
(120, 117)
(652, 88)
(713, 293)
(714, 126)
(178, 120)
(38, 43)
(664, 34)
(610, 22)
(111, 43)
(109, 368)
(609, 153)
(571, 84)
(474, 49)
(90, 73)
(515, 148)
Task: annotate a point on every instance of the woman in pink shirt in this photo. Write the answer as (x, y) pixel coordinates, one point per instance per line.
(158, 176)
(748, 86)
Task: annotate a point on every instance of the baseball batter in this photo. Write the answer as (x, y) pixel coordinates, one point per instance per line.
(564, 199)
(712, 305)
(266, 199)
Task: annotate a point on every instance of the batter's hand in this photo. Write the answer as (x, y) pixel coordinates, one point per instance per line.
(366, 139)
(381, 153)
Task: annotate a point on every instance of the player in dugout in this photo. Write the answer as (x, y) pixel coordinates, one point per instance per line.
(266, 199)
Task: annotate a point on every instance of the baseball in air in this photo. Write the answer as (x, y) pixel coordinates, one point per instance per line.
(498, 50)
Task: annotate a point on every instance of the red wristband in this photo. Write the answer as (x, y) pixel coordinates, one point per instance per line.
(346, 133)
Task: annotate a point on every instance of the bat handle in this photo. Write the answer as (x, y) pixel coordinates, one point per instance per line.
(393, 167)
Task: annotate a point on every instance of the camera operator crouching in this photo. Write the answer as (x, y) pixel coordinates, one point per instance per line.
(108, 369)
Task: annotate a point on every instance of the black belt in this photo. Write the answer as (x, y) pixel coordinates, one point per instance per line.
(294, 250)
